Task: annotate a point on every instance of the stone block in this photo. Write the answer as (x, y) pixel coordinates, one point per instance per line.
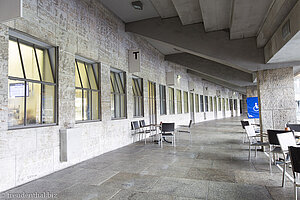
(7, 175)
(33, 165)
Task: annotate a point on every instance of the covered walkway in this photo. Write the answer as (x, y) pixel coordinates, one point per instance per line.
(214, 166)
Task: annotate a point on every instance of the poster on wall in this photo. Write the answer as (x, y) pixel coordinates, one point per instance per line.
(252, 107)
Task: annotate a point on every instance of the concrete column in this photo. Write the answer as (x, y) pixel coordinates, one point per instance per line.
(276, 98)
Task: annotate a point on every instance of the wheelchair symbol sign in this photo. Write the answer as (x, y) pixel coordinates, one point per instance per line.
(255, 108)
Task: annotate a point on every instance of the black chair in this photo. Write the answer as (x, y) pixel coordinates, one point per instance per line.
(244, 123)
(274, 147)
(294, 127)
(167, 130)
(185, 129)
(136, 128)
(143, 125)
(294, 153)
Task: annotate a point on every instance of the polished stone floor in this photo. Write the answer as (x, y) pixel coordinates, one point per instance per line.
(214, 166)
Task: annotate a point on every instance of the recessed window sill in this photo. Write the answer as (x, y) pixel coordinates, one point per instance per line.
(31, 126)
(87, 121)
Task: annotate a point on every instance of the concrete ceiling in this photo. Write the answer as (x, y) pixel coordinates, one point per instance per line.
(165, 8)
(234, 34)
(248, 17)
(124, 10)
(216, 14)
(188, 11)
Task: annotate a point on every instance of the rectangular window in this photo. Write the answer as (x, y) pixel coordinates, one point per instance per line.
(206, 103)
(162, 96)
(220, 104)
(201, 103)
(138, 100)
(179, 101)
(87, 91)
(185, 102)
(118, 94)
(227, 104)
(171, 101)
(235, 104)
(197, 102)
(31, 83)
(211, 104)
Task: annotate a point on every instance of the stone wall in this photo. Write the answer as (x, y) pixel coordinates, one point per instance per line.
(276, 98)
(85, 28)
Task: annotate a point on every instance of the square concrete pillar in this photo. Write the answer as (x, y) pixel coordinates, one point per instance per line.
(276, 97)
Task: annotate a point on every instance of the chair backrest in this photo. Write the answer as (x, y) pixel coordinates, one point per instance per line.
(294, 127)
(167, 127)
(295, 158)
(272, 136)
(142, 123)
(244, 123)
(190, 124)
(135, 125)
(286, 140)
(250, 121)
(250, 131)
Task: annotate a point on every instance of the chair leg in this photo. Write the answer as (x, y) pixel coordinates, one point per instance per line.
(174, 140)
(249, 156)
(283, 174)
(255, 151)
(270, 160)
(161, 141)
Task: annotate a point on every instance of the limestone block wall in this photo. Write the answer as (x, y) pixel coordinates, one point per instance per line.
(276, 98)
(88, 29)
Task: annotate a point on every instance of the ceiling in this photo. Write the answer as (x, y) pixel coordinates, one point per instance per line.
(242, 17)
(229, 33)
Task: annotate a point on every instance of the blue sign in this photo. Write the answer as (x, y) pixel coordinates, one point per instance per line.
(252, 107)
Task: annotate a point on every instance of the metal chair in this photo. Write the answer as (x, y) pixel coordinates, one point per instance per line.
(295, 161)
(147, 129)
(167, 130)
(185, 129)
(136, 129)
(274, 146)
(286, 140)
(253, 142)
(244, 124)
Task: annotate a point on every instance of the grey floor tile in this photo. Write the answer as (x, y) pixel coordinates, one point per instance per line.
(87, 192)
(137, 182)
(222, 175)
(182, 187)
(232, 191)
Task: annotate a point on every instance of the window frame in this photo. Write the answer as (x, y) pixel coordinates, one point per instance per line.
(135, 84)
(197, 103)
(206, 103)
(211, 104)
(53, 62)
(90, 90)
(162, 100)
(185, 102)
(179, 101)
(171, 101)
(202, 109)
(124, 87)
